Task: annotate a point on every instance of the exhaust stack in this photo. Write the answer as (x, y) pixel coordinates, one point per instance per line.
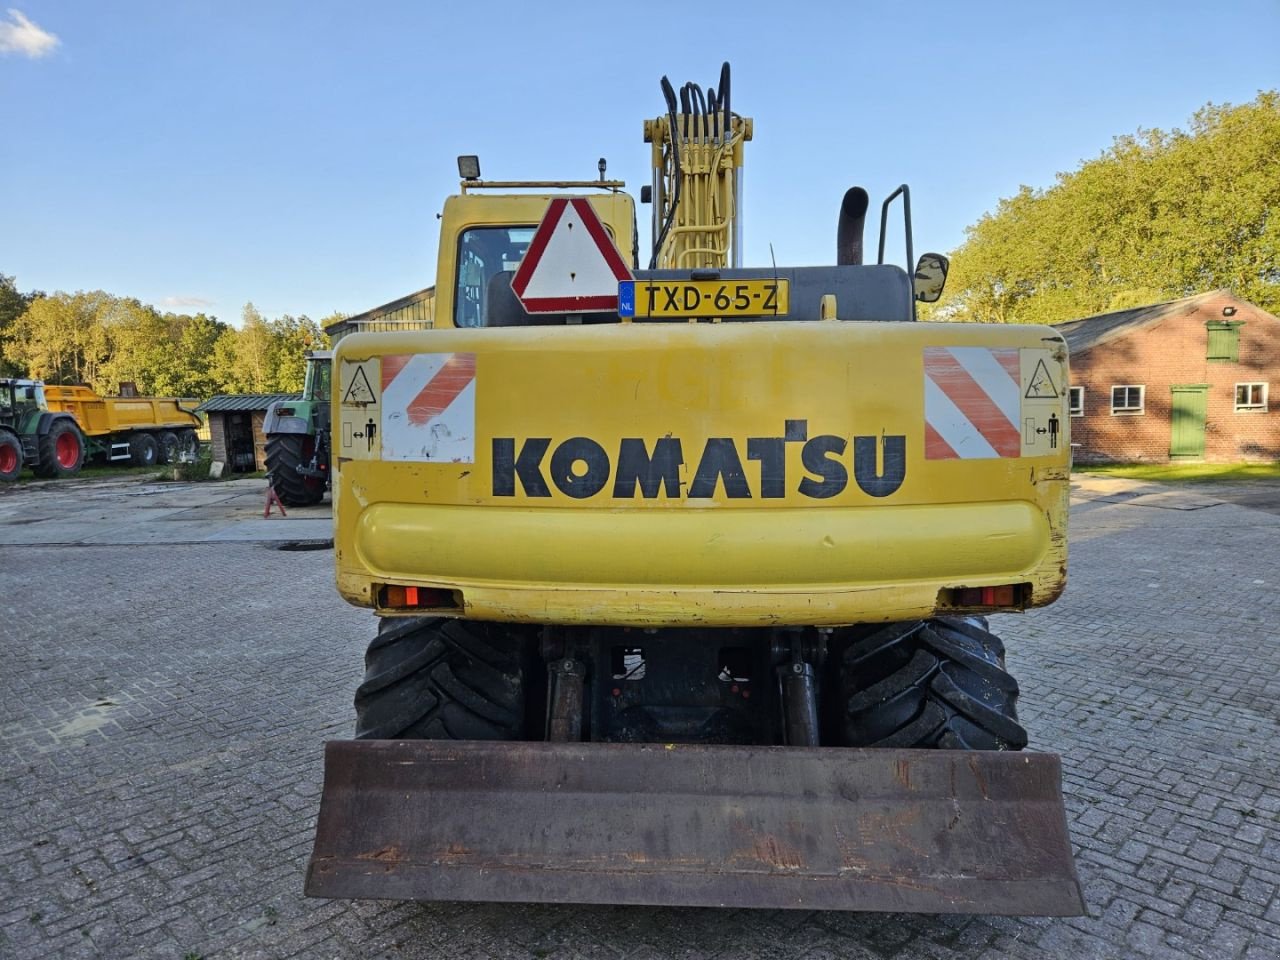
(853, 214)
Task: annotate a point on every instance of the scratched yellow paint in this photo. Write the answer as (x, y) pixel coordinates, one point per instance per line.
(878, 548)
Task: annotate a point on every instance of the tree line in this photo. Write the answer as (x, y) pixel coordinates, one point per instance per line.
(1156, 217)
(103, 340)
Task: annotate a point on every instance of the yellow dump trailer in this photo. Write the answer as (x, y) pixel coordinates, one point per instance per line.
(143, 430)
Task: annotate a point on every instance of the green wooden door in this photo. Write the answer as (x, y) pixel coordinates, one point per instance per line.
(1187, 422)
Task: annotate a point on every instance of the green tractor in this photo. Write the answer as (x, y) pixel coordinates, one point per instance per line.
(297, 433)
(32, 435)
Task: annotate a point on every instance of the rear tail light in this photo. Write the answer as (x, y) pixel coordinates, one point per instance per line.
(395, 597)
(1008, 595)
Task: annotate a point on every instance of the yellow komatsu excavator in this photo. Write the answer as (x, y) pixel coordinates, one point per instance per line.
(683, 570)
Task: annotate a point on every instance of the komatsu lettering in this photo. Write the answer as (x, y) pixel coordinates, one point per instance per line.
(581, 467)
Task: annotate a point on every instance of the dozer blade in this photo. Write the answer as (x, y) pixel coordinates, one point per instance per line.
(927, 831)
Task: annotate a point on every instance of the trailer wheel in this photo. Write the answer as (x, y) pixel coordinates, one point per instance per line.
(143, 450)
(61, 451)
(285, 451)
(167, 447)
(937, 683)
(10, 457)
(434, 679)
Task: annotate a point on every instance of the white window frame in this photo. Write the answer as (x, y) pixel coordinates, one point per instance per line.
(1141, 408)
(1073, 409)
(1251, 407)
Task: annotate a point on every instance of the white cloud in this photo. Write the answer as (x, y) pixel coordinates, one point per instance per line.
(19, 35)
(186, 302)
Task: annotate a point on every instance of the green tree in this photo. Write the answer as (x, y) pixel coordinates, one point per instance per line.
(1156, 217)
(225, 369)
(255, 351)
(62, 338)
(12, 306)
(141, 350)
(197, 337)
(294, 337)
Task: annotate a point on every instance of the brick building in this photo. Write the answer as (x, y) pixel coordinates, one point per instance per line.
(235, 428)
(1186, 380)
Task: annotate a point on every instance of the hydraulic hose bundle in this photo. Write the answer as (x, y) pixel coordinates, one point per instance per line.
(699, 152)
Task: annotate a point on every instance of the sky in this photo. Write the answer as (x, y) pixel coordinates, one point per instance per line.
(201, 155)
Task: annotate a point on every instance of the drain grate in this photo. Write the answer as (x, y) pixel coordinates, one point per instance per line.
(300, 545)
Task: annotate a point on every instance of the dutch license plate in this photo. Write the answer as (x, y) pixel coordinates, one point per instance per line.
(702, 298)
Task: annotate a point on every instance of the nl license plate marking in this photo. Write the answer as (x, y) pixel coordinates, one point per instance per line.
(660, 299)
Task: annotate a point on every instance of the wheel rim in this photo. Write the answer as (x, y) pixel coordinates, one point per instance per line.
(67, 450)
(8, 459)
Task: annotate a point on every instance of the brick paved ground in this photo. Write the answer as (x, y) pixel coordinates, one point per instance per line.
(164, 706)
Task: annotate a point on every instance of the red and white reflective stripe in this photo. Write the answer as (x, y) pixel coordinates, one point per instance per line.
(429, 407)
(972, 403)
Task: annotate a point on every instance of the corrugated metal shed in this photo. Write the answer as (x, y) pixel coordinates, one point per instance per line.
(225, 402)
(413, 312)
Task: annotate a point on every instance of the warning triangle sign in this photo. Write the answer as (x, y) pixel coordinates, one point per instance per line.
(359, 392)
(572, 264)
(1041, 386)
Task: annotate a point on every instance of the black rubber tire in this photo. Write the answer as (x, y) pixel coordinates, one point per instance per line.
(61, 451)
(428, 678)
(937, 683)
(10, 456)
(143, 450)
(188, 446)
(283, 454)
(167, 447)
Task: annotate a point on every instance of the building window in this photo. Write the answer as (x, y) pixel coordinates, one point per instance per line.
(1128, 398)
(1251, 396)
(1224, 340)
(1075, 400)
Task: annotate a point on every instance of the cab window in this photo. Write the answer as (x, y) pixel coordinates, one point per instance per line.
(483, 253)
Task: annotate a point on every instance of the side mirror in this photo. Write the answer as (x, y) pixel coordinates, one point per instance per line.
(930, 277)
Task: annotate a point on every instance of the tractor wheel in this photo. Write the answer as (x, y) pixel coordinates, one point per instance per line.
(937, 683)
(284, 452)
(143, 450)
(167, 447)
(433, 679)
(61, 451)
(188, 446)
(10, 457)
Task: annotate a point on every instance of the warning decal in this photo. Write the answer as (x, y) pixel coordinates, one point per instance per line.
(971, 403)
(1041, 386)
(359, 426)
(429, 407)
(1044, 413)
(358, 390)
(982, 403)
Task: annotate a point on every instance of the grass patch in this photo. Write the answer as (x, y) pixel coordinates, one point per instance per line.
(1187, 472)
(104, 471)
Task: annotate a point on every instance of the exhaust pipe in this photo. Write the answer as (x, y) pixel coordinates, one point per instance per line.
(853, 213)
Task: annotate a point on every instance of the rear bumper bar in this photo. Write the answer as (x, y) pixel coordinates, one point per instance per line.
(779, 827)
(718, 567)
